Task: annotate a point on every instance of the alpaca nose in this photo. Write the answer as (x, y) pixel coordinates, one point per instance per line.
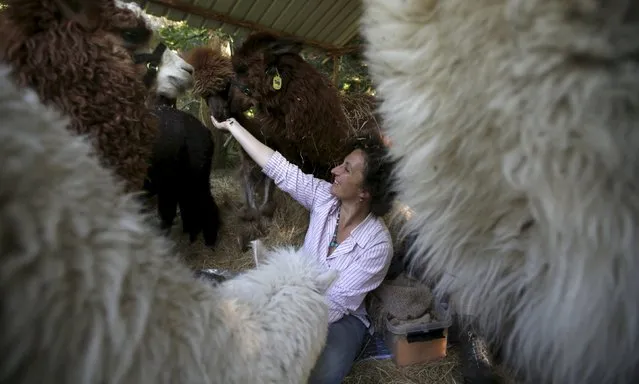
(188, 69)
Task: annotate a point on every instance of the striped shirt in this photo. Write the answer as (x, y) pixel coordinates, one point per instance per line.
(362, 259)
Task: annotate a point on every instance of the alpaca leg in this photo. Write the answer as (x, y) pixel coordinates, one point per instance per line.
(167, 206)
(188, 213)
(185, 205)
(193, 204)
(268, 205)
(211, 218)
(249, 212)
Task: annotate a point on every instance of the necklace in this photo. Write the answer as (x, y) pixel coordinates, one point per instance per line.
(333, 244)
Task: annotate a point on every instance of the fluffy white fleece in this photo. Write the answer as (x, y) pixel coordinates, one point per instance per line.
(516, 126)
(90, 294)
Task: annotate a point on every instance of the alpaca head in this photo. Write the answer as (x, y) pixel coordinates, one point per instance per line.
(166, 72)
(213, 78)
(302, 271)
(175, 75)
(80, 56)
(118, 29)
(256, 64)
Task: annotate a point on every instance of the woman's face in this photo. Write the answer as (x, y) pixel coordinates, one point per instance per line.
(349, 177)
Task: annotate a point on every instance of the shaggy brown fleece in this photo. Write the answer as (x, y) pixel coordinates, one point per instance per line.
(214, 70)
(82, 64)
(213, 74)
(304, 119)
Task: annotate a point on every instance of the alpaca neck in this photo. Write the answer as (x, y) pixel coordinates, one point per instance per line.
(161, 100)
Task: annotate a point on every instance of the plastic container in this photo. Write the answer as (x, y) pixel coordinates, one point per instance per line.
(415, 343)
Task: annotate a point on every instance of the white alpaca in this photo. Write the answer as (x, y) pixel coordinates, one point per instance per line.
(175, 75)
(274, 314)
(91, 295)
(516, 127)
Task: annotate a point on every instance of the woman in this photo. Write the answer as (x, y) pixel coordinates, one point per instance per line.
(345, 233)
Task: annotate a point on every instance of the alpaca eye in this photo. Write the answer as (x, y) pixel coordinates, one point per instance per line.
(135, 35)
(128, 36)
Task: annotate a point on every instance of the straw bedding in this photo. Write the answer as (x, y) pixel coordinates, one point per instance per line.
(359, 109)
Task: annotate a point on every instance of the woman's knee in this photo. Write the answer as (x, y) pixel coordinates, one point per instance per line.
(343, 344)
(330, 369)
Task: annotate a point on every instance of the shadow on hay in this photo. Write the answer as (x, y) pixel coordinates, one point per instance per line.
(287, 227)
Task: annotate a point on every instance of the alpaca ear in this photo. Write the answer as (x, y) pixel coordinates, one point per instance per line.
(259, 252)
(281, 47)
(326, 279)
(81, 11)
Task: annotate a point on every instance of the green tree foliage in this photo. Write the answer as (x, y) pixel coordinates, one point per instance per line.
(181, 37)
(352, 75)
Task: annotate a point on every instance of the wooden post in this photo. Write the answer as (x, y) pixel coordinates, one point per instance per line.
(335, 69)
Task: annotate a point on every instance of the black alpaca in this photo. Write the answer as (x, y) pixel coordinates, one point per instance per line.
(179, 173)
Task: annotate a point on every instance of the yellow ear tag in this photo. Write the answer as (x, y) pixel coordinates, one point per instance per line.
(277, 82)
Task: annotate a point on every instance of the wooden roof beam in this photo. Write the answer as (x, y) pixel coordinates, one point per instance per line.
(208, 14)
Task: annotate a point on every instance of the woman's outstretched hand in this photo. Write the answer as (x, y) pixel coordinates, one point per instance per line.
(223, 125)
(259, 152)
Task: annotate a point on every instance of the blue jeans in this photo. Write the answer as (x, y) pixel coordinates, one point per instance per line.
(343, 345)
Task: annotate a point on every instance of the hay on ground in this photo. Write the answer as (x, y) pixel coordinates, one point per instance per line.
(443, 371)
(287, 227)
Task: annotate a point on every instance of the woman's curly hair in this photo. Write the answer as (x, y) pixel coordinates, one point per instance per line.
(378, 173)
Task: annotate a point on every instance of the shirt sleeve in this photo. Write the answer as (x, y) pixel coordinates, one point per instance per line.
(364, 275)
(304, 188)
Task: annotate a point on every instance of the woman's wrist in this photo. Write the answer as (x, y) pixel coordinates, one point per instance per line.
(232, 128)
(258, 151)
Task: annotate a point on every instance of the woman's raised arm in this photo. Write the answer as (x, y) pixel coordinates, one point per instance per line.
(259, 152)
(304, 188)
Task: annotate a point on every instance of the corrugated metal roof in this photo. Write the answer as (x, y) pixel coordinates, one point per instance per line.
(325, 24)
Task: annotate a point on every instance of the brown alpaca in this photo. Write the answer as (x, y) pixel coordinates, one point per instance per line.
(82, 63)
(304, 118)
(298, 110)
(214, 72)
(214, 80)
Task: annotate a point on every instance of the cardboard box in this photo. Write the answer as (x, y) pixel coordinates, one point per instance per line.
(415, 343)
(417, 347)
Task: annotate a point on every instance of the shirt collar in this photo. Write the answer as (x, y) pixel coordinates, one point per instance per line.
(358, 233)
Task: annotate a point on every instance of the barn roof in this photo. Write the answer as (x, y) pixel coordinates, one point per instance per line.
(330, 25)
